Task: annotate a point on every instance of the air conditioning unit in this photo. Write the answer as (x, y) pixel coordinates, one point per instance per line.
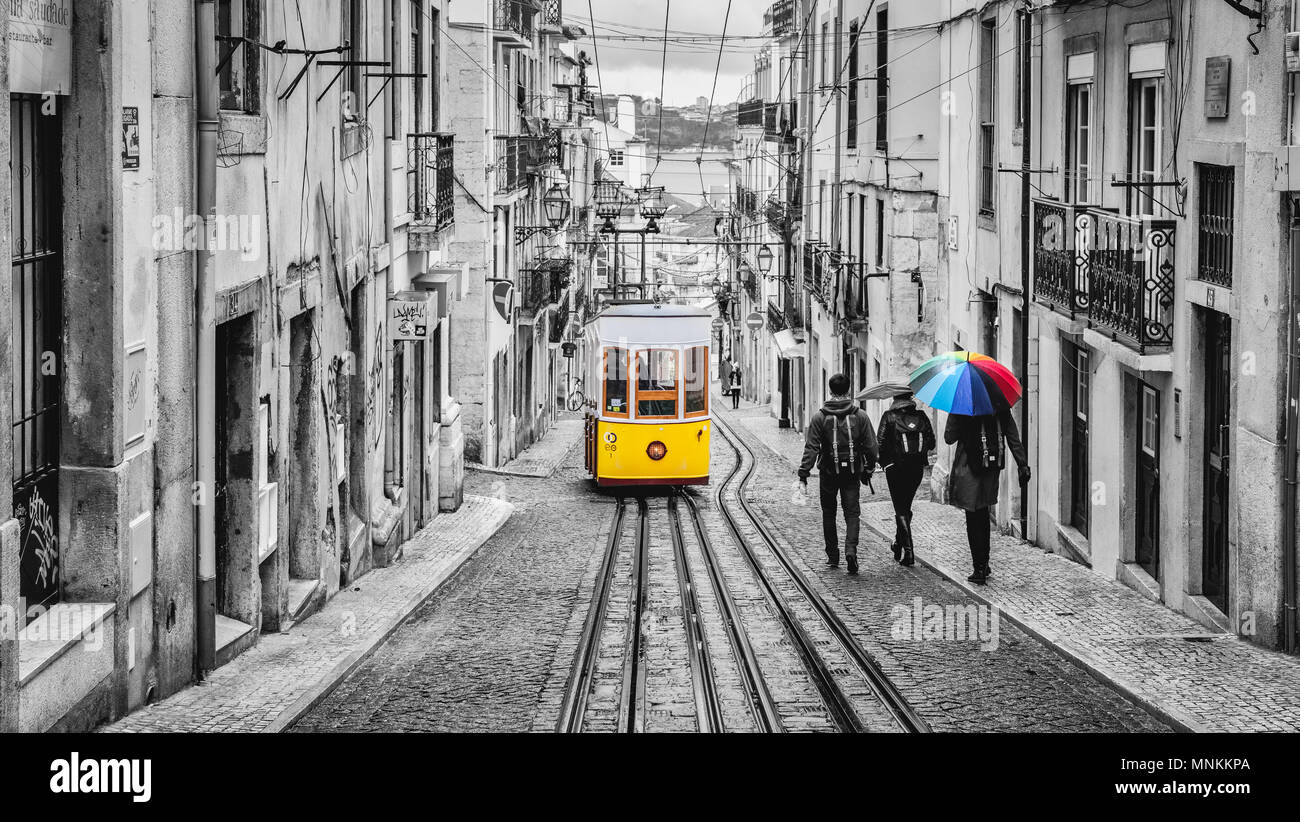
(1292, 49)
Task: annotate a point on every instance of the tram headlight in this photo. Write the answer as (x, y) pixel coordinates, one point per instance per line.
(656, 450)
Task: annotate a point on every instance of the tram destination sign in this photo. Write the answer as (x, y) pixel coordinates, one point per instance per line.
(40, 46)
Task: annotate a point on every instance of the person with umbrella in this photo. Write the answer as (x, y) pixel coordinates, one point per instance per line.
(841, 442)
(906, 439)
(977, 392)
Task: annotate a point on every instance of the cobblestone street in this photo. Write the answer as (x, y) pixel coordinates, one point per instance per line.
(497, 647)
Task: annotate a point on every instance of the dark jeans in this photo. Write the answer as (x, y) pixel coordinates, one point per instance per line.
(978, 533)
(735, 397)
(847, 488)
(903, 481)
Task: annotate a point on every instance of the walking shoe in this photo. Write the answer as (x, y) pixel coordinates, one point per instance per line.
(978, 578)
(988, 572)
(853, 564)
(909, 558)
(898, 551)
(833, 559)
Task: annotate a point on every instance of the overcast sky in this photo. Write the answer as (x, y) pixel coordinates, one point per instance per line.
(633, 66)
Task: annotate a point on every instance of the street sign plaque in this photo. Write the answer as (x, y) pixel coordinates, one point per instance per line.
(754, 321)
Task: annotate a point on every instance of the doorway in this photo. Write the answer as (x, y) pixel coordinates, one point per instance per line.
(1217, 404)
(1078, 389)
(1147, 545)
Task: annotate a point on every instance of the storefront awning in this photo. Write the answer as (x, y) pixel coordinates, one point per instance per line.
(787, 347)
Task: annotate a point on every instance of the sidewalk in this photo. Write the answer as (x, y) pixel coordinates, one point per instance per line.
(542, 457)
(278, 680)
(1194, 679)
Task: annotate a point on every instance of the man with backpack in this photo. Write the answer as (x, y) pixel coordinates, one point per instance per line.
(906, 439)
(977, 464)
(841, 442)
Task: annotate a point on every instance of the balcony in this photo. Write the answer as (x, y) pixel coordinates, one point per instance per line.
(516, 158)
(751, 114)
(512, 21)
(749, 280)
(534, 290)
(746, 202)
(553, 14)
(780, 16)
(559, 323)
(1061, 235)
(1113, 271)
(775, 317)
(815, 276)
(431, 199)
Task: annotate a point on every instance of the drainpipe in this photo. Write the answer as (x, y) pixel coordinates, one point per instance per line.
(205, 92)
(1026, 159)
(1289, 458)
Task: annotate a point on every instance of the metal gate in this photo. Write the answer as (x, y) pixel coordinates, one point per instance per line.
(36, 182)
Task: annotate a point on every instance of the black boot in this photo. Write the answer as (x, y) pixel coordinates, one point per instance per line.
(909, 558)
(833, 558)
(853, 564)
(988, 572)
(978, 577)
(898, 551)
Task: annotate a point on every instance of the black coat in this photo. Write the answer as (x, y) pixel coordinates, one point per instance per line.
(968, 489)
(838, 414)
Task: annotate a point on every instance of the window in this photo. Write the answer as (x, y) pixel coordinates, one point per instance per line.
(616, 382)
(1144, 144)
(1217, 191)
(238, 80)
(1078, 142)
(988, 79)
(697, 381)
(1150, 421)
(821, 209)
(882, 80)
(880, 233)
(616, 157)
(656, 383)
(353, 33)
(417, 65)
(851, 133)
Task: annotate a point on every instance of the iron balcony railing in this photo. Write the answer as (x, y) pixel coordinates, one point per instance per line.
(1115, 272)
(750, 114)
(775, 317)
(815, 275)
(746, 202)
(553, 13)
(516, 157)
(432, 196)
(534, 290)
(1060, 235)
(1131, 279)
(749, 281)
(515, 16)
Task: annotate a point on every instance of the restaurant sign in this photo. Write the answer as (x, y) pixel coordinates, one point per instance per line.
(40, 46)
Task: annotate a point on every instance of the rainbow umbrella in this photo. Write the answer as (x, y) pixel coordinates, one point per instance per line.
(963, 382)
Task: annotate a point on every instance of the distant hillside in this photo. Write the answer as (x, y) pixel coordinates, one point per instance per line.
(683, 127)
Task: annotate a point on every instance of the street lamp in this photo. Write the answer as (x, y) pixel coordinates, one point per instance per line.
(765, 259)
(557, 205)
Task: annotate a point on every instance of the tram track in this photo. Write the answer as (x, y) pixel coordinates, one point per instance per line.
(884, 691)
(577, 695)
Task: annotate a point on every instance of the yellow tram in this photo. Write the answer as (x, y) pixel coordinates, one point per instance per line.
(648, 404)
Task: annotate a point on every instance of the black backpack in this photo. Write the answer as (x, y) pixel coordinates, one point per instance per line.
(986, 451)
(908, 435)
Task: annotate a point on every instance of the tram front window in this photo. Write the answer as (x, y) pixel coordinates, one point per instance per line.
(616, 383)
(656, 383)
